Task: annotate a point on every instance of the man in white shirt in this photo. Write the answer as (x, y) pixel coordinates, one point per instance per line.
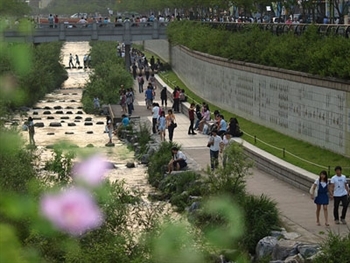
(155, 116)
(339, 190)
(178, 160)
(214, 145)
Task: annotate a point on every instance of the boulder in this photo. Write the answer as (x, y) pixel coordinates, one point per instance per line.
(89, 132)
(55, 124)
(194, 206)
(130, 165)
(47, 112)
(294, 259)
(307, 251)
(69, 112)
(59, 112)
(71, 124)
(276, 233)
(290, 235)
(265, 246)
(78, 117)
(145, 159)
(88, 123)
(57, 107)
(50, 117)
(39, 124)
(64, 118)
(285, 248)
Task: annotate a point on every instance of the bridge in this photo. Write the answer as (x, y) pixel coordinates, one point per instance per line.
(125, 32)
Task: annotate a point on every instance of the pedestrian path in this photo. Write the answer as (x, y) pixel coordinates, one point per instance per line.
(296, 207)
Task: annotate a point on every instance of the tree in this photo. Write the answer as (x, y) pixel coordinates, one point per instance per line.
(13, 8)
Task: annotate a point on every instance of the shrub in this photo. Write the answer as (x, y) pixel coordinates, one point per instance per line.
(335, 249)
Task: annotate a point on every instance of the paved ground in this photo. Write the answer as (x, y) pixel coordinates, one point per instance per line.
(296, 207)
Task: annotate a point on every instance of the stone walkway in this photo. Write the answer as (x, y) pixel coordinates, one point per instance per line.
(296, 207)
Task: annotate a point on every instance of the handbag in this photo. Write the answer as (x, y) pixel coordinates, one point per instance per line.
(314, 193)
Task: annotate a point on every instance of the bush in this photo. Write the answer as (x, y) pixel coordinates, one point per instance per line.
(335, 249)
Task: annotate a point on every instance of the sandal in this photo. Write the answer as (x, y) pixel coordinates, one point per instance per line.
(318, 223)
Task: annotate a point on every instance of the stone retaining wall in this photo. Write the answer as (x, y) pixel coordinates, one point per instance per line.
(312, 109)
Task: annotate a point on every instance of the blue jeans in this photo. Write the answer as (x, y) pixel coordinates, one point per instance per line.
(214, 159)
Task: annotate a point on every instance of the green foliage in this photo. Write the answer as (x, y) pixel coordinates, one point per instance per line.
(311, 52)
(261, 216)
(335, 249)
(158, 161)
(108, 74)
(14, 8)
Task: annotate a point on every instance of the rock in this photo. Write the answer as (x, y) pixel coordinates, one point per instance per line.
(130, 165)
(76, 120)
(89, 145)
(265, 246)
(276, 261)
(277, 234)
(62, 121)
(55, 124)
(50, 117)
(151, 150)
(285, 248)
(80, 107)
(78, 117)
(194, 206)
(290, 235)
(47, 112)
(50, 133)
(88, 123)
(35, 113)
(72, 101)
(24, 108)
(89, 132)
(57, 107)
(71, 124)
(64, 118)
(69, 107)
(80, 112)
(88, 119)
(69, 112)
(74, 93)
(100, 123)
(36, 118)
(307, 251)
(39, 124)
(50, 146)
(109, 144)
(156, 196)
(47, 108)
(110, 165)
(69, 133)
(145, 159)
(294, 259)
(59, 112)
(36, 108)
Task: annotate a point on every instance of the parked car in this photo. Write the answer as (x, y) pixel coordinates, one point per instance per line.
(79, 15)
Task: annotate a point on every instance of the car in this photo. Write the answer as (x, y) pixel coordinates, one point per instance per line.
(79, 15)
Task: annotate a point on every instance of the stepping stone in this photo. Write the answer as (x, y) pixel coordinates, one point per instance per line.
(69, 133)
(36, 108)
(50, 146)
(62, 121)
(90, 145)
(50, 101)
(50, 117)
(35, 113)
(80, 107)
(36, 118)
(69, 112)
(57, 107)
(24, 108)
(88, 123)
(72, 101)
(130, 165)
(59, 112)
(47, 108)
(50, 133)
(39, 124)
(76, 120)
(62, 101)
(47, 112)
(76, 93)
(72, 124)
(55, 124)
(88, 119)
(109, 144)
(80, 112)
(64, 118)
(89, 132)
(78, 117)
(100, 123)
(69, 108)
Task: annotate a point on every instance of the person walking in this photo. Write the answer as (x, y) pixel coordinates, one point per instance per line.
(164, 97)
(109, 128)
(71, 65)
(155, 116)
(171, 124)
(320, 196)
(129, 101)
(191, 111)
(77, 62)
(214, 146)
(51, 21)
(162, 126)
(140, 81)
(31, 131)
(149, 96)
(339, 191)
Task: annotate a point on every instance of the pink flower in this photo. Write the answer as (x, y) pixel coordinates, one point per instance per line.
(73, 211)
(91, 170)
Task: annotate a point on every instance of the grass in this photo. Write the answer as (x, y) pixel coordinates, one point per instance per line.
(309, 157)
